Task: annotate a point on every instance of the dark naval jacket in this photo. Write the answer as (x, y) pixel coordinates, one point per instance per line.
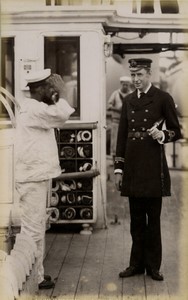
(142, 159)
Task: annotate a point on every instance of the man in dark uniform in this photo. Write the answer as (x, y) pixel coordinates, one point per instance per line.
(141, 170)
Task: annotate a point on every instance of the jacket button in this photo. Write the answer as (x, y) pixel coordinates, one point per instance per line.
(133, 111)
(132, 120)
(146, 110)
(133, 129)
(143, 128)
(145, 120)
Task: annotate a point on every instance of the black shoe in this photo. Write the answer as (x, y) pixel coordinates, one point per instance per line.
(46, 284)
(131, 271)
(47, 277)
(155, 275)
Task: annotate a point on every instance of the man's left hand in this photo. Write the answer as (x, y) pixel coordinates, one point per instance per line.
(155, 133)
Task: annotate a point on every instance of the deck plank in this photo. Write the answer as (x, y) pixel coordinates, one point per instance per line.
(156, 290)
(171, 254)
(134, 288)
(66, 285)
(173, 223)
(111, 284)
(90, 277)
(55, 257)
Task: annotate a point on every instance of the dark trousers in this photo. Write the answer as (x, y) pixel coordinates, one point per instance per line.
(145, 230)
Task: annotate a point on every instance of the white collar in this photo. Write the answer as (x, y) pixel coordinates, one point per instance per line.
(145, 91)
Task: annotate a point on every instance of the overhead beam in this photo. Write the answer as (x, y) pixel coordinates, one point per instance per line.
(122, 49)
(112, 30)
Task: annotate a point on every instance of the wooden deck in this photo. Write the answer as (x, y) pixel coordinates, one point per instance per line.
(87, 267)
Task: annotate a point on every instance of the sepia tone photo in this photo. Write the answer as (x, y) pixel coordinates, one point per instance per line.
(93, 150)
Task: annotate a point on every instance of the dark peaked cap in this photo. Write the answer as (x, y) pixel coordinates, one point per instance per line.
(139, 63)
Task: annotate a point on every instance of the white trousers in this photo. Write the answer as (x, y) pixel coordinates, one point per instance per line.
(33, 197)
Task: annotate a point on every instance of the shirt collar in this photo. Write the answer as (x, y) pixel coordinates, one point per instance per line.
(145, 91)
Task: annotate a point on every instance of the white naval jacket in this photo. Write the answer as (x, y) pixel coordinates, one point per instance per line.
(36, 153)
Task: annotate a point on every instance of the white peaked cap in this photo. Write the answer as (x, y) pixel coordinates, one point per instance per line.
(125, 78)
(36, 76)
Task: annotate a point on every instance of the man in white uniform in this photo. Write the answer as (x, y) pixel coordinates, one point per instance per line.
(36, 155)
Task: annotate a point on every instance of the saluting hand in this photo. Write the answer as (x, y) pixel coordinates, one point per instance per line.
(59, 85)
